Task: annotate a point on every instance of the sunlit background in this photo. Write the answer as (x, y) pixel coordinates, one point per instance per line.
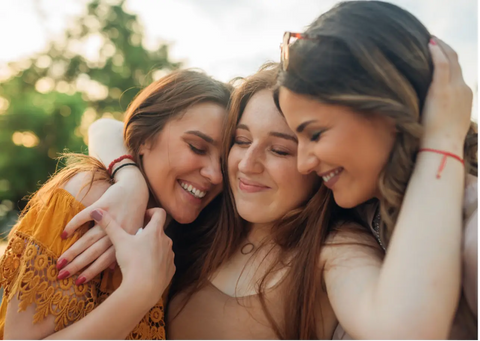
(64, 63)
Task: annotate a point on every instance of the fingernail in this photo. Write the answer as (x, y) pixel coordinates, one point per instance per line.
(96, 215)
(63, 274)
(112, 267)
(61, 264)
(64, 235)
(433, 42)
(80, 280)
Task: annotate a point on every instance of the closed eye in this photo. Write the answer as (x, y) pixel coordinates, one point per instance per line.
(196, 150)
(315, 137)
(241, 142)
(280, 152)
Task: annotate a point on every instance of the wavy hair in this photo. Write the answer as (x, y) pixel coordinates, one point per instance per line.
(373, 57)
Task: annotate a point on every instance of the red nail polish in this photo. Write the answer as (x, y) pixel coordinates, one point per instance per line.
(80, 281)
(433, 42)
(64, 235)
(61, 264)
(96, 215)
(63, 274)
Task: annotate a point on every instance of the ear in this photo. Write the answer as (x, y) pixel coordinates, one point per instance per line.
(143, 148)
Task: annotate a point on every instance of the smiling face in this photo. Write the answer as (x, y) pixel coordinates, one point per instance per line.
(348, 150)
(182, 164)
(262, 164)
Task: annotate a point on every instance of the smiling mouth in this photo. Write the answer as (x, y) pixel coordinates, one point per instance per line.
(192, 190)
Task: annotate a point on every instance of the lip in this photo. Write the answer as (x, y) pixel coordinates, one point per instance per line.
(189, 196)
(197, 186)
(330, 183)
(329, 171)
(250, 186)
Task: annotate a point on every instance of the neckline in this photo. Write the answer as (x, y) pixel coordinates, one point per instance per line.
(229, 296)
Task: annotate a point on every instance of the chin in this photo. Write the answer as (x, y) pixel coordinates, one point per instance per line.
(184, 217)
(345, 202)
(253, 215)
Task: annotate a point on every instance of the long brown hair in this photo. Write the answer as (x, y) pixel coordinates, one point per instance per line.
(299, 235)
(145, 117)
(373, 57)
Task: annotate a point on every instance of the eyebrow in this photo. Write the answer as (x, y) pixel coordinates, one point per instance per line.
(201, 135)
(272, 133)
(302, 126)
(243, 126)
(284, 136)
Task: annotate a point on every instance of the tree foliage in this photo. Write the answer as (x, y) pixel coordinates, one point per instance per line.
(49, 100)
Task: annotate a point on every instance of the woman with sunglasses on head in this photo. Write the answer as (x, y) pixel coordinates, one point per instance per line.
(337, 269)
(382, 114)
(181, 115)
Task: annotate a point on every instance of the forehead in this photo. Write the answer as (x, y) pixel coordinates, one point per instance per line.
(262, 113)
(207, 117)
(300, 108)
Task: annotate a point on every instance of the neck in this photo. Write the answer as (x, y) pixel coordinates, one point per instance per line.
(259, 233)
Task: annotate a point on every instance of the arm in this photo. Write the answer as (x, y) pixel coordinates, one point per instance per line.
(105, 140)
(110, 320)
(126, 200)
(415, 291)
(147, 256)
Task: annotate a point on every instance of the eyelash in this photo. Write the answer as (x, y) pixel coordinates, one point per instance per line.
(278, 152)
(240, 142)
(316, 136)
(196, 150)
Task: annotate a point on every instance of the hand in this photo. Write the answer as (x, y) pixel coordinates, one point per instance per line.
(448, 106)
(126, 201)
(146, 259)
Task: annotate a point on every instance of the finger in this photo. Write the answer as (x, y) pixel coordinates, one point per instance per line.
(455, 68)
(88, 257)
(97, 267)
(77, 221)
(109, 225)
(86, 241)
(113, 265)
(441, 67)
(157, 219)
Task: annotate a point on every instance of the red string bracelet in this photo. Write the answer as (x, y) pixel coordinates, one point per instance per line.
(444, 159)
(121, 158)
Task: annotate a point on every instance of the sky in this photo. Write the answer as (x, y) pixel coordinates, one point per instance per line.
(227, 38)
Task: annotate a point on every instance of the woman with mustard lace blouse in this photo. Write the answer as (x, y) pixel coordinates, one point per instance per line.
(169, 117)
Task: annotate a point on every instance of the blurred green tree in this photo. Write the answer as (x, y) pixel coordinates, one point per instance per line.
(48, 100)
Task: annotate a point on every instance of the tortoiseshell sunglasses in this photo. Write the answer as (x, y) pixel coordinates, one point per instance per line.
(288, 39)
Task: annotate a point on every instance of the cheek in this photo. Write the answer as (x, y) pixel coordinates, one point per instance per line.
(234, 157)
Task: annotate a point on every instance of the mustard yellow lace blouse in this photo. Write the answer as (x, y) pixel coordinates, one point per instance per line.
(28, 271)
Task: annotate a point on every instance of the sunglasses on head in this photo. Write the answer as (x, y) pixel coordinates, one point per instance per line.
(288, 39)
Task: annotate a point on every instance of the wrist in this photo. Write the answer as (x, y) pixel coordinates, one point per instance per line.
(146, 293)
(444, 143)
(132, 177)
(142, 300)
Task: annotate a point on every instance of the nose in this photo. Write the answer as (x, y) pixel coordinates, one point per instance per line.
(250, 162)
(306, 161)
(212, 171)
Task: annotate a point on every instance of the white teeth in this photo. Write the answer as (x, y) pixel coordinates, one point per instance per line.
(327, 177)
(194, 191)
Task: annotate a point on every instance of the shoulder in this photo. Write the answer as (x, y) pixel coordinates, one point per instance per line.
(86, 188)
(350, 242)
